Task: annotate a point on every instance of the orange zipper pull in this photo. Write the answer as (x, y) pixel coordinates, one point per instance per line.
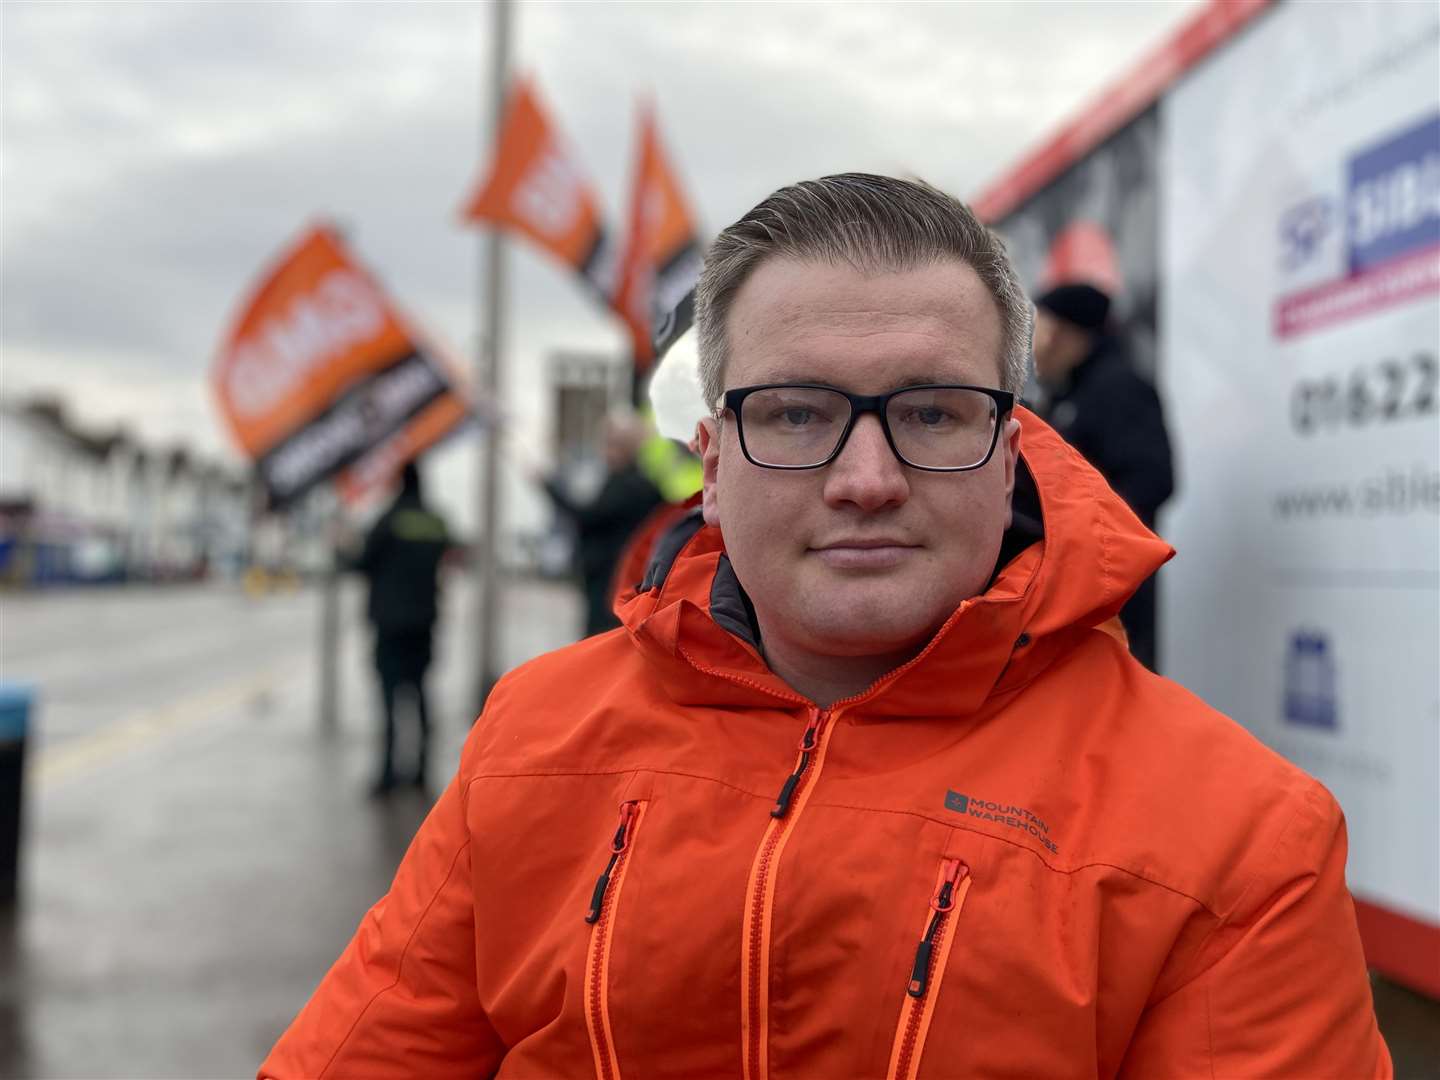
(617, 848)
(941, 903)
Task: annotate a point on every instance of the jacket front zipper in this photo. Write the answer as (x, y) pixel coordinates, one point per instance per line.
(951, 887)
(604, 901)
(755, 990)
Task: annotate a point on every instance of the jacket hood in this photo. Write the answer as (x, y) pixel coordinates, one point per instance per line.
(690, 619)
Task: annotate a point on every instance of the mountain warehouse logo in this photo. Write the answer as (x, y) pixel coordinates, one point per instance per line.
(1014, 817)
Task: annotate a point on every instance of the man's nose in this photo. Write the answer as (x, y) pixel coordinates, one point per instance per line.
(867, 473)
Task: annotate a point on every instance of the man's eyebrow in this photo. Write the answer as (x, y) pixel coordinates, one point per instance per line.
(820, 380)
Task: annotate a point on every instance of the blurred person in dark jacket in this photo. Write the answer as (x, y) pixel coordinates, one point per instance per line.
(401, 558)
(1104, 408)
(606, 522)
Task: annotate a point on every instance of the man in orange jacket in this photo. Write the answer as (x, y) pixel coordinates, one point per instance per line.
(861, 788)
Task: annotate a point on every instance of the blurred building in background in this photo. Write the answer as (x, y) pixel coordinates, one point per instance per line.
(83, 506)
(583, 388)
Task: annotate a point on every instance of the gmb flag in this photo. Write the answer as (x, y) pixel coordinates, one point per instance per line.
(661, 254)
(320, 378)
(536, 189)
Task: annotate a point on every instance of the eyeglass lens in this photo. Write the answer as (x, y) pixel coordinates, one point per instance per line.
(937, 428)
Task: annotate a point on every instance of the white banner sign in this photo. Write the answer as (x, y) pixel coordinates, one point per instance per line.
(1300, 326)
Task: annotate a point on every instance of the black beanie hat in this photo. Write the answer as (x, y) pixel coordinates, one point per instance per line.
(1083, 305)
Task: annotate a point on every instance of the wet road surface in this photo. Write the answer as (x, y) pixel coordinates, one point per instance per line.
(196, 851)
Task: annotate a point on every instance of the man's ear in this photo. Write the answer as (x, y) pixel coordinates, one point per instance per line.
(707, 439)
(1010, 448)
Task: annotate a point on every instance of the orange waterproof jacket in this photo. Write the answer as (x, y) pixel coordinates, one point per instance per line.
(1019, 855)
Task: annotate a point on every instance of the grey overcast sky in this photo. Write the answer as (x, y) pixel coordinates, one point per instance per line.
(153, 157)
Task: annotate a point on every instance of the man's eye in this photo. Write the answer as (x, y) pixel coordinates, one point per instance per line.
(928, 417)
(797, 416)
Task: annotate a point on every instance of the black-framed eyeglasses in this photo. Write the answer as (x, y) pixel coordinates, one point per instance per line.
(935, 427)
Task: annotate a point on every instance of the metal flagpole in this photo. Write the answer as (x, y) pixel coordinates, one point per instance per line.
(330, 584)
(490, 381)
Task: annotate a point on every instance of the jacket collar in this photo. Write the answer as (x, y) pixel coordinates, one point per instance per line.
(691, 621)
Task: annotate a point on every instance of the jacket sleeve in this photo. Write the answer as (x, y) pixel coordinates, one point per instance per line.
(624, 498)
(1134, 451)
(552, 487)
(1279, 988)
(402, 999)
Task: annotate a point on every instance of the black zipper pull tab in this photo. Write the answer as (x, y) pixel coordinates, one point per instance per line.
(807, 744)
(782, 801)
(597, 898)
(942, 904)
(617, 848)
(920, 973)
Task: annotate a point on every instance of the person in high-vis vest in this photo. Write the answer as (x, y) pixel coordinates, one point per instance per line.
(865, 786)
(671, 467)
(401, 559)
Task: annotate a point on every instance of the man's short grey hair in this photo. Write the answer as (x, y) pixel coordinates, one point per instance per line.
(873, 223)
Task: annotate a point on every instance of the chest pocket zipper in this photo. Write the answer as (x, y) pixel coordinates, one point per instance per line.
(604, 903)
(952, 885)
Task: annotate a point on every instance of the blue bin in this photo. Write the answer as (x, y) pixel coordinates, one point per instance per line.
(15, 701)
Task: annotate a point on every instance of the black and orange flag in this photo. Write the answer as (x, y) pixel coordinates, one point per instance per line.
(536, 189)
(321, 377)
(661, 255)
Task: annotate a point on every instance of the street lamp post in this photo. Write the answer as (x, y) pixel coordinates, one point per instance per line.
(489, 384)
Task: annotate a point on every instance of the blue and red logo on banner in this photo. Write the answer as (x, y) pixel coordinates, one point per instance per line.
(1393, 197)
(1390, 217)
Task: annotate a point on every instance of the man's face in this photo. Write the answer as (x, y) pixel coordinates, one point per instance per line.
(803, 544)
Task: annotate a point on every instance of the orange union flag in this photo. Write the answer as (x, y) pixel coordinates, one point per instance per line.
(320, 376)
(661, 258)
(536, 189)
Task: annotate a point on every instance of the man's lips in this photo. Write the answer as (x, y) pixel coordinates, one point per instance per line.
(864, 553)
(859, 542)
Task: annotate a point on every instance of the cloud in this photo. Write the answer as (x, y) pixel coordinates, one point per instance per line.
(156, 156)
